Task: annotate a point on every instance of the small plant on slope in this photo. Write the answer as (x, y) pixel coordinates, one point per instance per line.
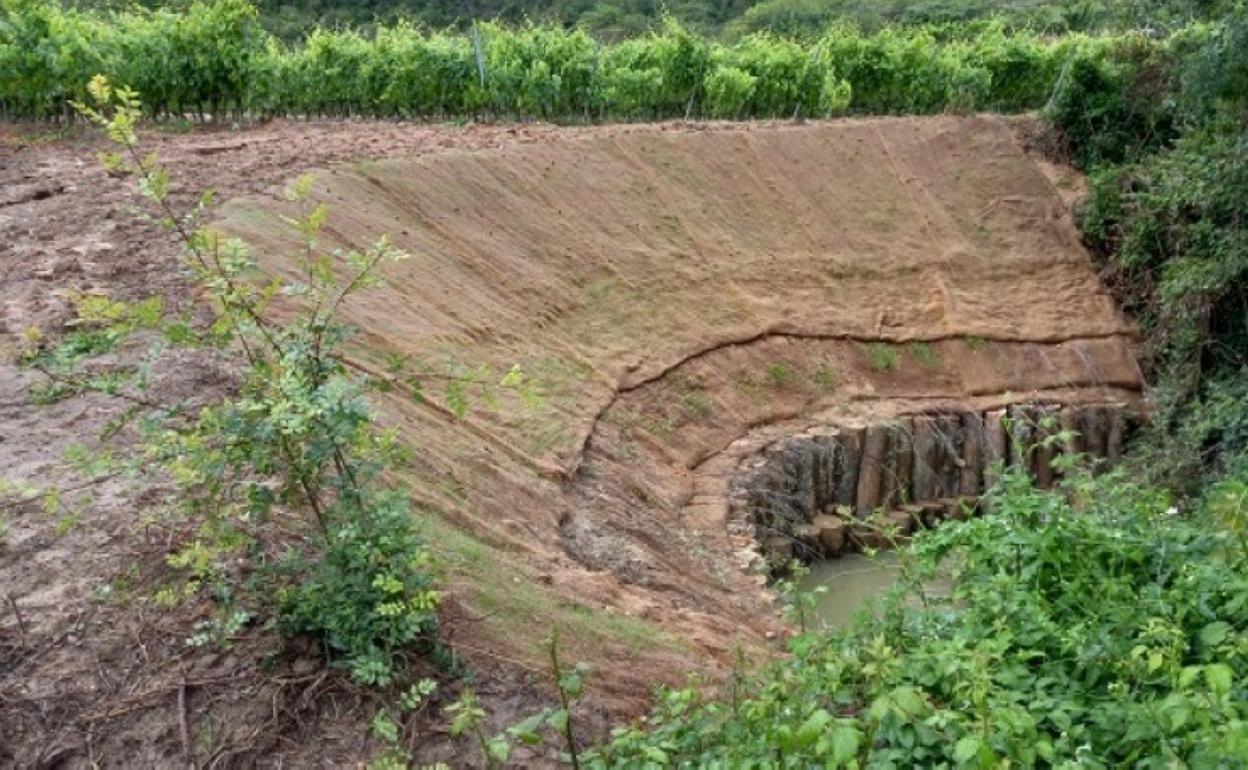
(824, 377)
(881, 356)
(779, 374)
(468, 717)
(925, 354)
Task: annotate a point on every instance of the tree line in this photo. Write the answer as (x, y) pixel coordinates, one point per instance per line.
(730, 19)
(214, 59)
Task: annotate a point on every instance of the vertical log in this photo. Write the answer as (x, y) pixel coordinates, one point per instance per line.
(1094, 432)
(870, 470)
(1070, 424)
(825, 466)
(851, 452)
(791, 469)
(995, 446)
(948, 455)
(1042, 455)
(972, 454)
(835, 468)
(776, 490)
(760, 502)
(777, 551)
(899, 463)
(923, 469)
(1021, 436)
(818, 465)
(802, 464)
(832, 532)
(1116, 433)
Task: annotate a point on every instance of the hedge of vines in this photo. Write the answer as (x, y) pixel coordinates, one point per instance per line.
(214, 60)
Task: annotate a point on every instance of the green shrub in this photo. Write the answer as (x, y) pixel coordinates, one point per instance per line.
(543, 71)
(1160, 127)
(1115, 105)
(728, 90)
(1089, 626)
(779, 374)
(824, 377)
(369, 593)
(215, 60)
(925, 355)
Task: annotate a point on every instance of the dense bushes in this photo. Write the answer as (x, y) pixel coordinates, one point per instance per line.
(291, 19)
(1160, 128)
(1114, 107)
(1091, 627)
(203, 59)
(215, 59)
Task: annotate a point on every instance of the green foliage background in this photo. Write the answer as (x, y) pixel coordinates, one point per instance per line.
(616, 19)
(216, 58)
(1161, 131)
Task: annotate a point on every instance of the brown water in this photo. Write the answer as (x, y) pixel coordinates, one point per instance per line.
(851, 580)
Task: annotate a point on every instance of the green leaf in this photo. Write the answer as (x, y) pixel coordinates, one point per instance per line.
(499, 748)
(558, 719)
(1044, 749)
(526, 729)
(1213, 634)
(457, 397)
(1220, 677)
(572, 683)
(967, 748)
(910, 701)
(844, 741)
(384, 727)
(813, 727)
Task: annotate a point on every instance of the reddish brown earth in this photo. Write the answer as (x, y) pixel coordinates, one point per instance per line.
(680, 295)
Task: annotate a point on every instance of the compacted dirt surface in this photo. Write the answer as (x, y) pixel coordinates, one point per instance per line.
(678, 296)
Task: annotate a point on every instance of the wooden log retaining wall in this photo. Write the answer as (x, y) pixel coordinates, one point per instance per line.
(809, 494)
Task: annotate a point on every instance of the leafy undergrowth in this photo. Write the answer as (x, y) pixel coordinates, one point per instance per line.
(1091, 626)
(1159, 127)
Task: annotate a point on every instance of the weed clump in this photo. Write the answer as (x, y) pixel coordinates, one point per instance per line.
(779, 374)
(881, 356)
(925, 355)
(824, 378)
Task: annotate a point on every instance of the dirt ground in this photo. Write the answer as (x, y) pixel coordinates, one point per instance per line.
(677, 294)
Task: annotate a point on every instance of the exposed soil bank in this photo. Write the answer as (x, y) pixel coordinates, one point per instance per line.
(676, 295)
(682, 296)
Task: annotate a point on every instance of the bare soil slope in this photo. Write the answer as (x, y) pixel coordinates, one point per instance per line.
(676, 291)
(682, 295)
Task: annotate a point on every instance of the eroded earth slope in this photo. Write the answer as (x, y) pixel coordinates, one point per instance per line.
(680, 296)
(676, 293)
